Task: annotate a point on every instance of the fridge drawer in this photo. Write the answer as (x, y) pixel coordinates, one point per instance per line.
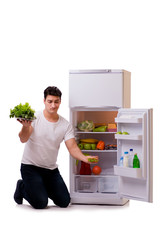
(108, 184)
(86, 184)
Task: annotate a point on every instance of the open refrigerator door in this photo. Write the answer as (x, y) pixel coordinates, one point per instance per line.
(134, 131)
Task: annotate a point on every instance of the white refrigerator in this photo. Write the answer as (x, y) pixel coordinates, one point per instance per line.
(103, 96)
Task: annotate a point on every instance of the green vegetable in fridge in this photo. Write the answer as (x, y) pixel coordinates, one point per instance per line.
(125, 133)
(119, 132)
(86, 126)
(80, 145)
(93, 160)
(100, 129)
(87, 146)
(93, 146)
(22, 111)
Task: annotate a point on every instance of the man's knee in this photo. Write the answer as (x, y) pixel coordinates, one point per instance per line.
(63, 203)
(40, 203)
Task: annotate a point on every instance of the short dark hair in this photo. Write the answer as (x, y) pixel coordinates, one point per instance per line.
(54, 91)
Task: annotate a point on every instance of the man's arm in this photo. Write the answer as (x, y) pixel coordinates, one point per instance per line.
(76, 152)
(26, 130)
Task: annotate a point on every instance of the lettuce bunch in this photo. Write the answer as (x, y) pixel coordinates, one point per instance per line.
(86, 126)
(22, 111)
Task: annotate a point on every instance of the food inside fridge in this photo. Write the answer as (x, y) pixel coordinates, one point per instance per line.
(89, 140)
(119, 132)
(100, 129)
(99, 124)
(124, 133)
(87, 146)
(86, 125)
(129, 160)
(96, 170)
(112, 127)
(95, 144)
(111, 147)
(92, 160)
(85, 169)
(80, 145)
(131, 155)
(126, 160)
(121, 162)
(101, 145)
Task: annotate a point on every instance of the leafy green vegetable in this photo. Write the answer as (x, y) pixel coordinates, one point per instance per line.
(86, 126)
(22, 111)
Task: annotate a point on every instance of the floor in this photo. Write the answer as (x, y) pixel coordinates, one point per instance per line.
(134, 220)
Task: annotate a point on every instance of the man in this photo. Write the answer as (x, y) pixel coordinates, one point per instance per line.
(41, 178)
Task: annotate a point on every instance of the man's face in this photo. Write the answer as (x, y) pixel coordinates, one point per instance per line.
(52, 103)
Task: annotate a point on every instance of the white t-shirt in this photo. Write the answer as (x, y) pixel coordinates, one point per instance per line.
(42, 147)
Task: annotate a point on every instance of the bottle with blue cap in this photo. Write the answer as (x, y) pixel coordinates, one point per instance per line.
(131, 156)
(121, 162)
(126, 159)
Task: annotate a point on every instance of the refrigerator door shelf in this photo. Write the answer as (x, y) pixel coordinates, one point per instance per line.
(128, 172)
(129, 119)
(128, 137)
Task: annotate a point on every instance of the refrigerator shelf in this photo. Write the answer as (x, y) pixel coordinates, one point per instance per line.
(100, 151)
(105, 173)
(128, 137)
(80, 132)
(128, 120)
(128, 172)
(95, 176)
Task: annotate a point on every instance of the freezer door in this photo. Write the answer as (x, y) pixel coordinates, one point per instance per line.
(135, 183)
(99, 88)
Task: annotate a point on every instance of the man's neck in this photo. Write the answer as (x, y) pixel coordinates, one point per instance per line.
(51, 117)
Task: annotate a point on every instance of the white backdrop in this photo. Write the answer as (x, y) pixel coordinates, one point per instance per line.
(39, 42)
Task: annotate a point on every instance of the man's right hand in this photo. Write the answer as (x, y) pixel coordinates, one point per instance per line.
(25, 123)
(26, 130)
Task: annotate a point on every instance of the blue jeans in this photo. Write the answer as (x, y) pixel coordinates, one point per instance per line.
(39, 184)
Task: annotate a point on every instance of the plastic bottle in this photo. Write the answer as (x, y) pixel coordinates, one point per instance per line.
(136, 162)
(125, 159)
(121, 162)
(131, 156)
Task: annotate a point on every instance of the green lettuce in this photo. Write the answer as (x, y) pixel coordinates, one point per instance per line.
(22, 111)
